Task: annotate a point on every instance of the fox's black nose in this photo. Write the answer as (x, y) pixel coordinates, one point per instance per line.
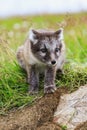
(53, 62)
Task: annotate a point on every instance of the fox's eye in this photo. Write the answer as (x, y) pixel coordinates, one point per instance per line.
(44, 50)
(57, 49)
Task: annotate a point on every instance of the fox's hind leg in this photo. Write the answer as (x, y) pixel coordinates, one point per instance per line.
(20, 57)
(22, 63)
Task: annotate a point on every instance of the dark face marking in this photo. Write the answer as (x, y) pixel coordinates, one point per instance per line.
(47, 48)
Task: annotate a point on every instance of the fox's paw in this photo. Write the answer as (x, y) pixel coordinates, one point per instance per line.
(49, 89)
(33, 91)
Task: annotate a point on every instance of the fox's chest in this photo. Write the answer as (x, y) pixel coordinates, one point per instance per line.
(29, 57)
(39, 65)
(33, 60)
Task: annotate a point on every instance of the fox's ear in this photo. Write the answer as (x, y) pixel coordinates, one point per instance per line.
(33, 36)
(59, 33)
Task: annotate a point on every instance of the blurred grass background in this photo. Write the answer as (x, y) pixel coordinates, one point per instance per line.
(13, 31)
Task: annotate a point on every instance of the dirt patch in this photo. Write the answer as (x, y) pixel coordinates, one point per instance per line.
(82, 126)
(37, 117)
(32, 118)
(49, 126)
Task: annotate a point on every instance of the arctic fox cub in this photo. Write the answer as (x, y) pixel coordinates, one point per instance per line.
(42, 50)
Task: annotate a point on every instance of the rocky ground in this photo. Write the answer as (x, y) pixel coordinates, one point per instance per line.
(72, 109)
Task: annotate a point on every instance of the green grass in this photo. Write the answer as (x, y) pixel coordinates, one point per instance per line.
(13, 31)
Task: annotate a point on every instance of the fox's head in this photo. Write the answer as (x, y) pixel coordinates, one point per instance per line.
(46, 46)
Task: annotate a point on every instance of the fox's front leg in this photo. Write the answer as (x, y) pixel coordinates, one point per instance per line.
(34, 80)
(49, 85)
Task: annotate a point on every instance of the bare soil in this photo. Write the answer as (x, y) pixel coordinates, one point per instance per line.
(37, 117)
(82, 126)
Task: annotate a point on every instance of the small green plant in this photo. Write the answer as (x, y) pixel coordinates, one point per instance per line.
(64, 127)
